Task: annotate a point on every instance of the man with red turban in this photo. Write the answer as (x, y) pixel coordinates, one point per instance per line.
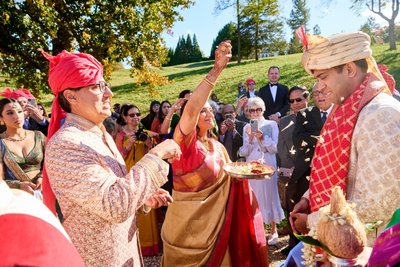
(98, 196)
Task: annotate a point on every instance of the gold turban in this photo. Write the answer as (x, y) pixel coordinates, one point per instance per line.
(325, 53)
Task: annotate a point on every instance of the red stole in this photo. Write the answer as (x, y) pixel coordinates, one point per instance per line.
(330, 164)
(243, 230)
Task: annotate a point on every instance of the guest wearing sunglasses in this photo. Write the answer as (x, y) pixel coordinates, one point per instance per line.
(307, 128)
(261, 145)
(251, 88)
(134, 143)
(286, 157)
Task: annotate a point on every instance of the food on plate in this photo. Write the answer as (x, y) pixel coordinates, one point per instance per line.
(249, 170)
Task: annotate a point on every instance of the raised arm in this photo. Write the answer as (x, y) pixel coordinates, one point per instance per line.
(203, 91)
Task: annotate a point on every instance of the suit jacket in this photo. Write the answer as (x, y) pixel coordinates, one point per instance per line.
(35, 126)
(237, 140)
(306, 131)
(285, 158)
(281, 103)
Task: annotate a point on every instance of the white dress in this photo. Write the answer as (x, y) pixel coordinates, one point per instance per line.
(266, 191)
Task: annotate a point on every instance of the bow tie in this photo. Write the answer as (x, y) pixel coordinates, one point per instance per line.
(273, 84)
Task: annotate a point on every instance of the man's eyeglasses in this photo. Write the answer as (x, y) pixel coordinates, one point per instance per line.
(103, 86)
(299, 99)
(318, 93)
(255, 110)
(252, 84)
(132, 115)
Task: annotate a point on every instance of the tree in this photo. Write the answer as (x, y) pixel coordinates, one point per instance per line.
(228, 32)
(316, 30)
(299, 16)
(197, 55)
(261, 25)
(224, 4)
(377, 6)
(370, 28)
(109, 30)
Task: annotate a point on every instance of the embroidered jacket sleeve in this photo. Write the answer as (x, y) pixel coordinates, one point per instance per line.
(97, 181)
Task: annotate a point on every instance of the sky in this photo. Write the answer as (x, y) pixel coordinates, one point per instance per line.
(332, 18)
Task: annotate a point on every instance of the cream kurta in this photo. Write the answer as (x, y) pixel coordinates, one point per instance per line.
(98, 197)
(374, 170)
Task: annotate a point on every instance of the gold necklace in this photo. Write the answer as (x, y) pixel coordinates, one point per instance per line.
(205, 142)
(14, 139)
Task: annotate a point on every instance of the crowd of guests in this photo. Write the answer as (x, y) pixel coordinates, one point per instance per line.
(104, 169)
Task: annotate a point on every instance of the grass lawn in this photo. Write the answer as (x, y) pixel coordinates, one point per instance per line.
(187, 76)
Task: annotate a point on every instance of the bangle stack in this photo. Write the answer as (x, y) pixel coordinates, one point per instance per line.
(169, 119)
(210, 83)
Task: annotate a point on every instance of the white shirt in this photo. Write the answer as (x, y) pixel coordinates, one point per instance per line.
(273, 89)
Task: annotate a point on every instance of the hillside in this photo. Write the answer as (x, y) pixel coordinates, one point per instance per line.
(187, 76)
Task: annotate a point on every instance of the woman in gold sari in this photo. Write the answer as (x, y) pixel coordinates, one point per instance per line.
(214, 220)
(134, 143)
(22, 151)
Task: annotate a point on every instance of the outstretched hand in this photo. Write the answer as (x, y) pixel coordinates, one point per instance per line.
(168, 150)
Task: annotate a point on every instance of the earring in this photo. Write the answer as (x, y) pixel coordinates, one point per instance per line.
(1, 123)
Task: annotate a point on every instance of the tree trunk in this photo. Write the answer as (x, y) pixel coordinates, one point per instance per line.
(392, 39)
(256, 43)
(238, 30)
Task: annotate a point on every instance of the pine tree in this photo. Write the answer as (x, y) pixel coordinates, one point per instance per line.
(316, 30)
(228, 32)
(261, 28)
(197, 54)
(299, 16)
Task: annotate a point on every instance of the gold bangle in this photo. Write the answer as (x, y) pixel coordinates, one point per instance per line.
(170, 119)
(210, 83)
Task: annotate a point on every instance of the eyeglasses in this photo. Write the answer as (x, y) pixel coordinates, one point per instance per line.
(255, 110)
(252, 84)
(103, 86)
(242, 87)
(318, 93)
(299, 99)
(132, 115)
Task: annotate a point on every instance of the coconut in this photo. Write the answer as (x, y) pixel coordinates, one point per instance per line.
(339, 228)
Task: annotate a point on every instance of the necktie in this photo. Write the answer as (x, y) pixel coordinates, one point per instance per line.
(324, 116)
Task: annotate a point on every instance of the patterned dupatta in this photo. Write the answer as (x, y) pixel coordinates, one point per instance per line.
(330, 165)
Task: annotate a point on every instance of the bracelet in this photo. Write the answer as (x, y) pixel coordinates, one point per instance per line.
(210, 83)
(169, 119)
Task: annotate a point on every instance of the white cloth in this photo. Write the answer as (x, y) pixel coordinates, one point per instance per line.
(266, 191)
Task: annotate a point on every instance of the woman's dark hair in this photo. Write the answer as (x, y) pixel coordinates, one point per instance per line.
(152, 113)
(184, 92)
(3, 103)
(44, 111)
(161, 115)
(124, 112)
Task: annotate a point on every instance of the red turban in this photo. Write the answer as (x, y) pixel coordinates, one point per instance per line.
(67, 70)
(248, 81)
(21, 92)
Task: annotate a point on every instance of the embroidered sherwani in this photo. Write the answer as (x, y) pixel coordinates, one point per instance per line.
(97, 196)
(374, 169)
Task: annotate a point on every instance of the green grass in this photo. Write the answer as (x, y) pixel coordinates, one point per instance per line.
(187, 76)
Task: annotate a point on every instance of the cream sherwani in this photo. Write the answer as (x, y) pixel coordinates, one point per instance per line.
(374, 170)
(98, 197)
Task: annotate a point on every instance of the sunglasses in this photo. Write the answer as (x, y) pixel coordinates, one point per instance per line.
(132, 115)
(241, 87)
(255, 110)
(299, 99)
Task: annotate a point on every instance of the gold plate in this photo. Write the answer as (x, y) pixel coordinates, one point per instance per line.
(246, 170)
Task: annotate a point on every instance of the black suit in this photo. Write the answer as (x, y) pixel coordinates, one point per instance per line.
(35, 126)
(237, 140)
(307, 128)
(281, 103)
